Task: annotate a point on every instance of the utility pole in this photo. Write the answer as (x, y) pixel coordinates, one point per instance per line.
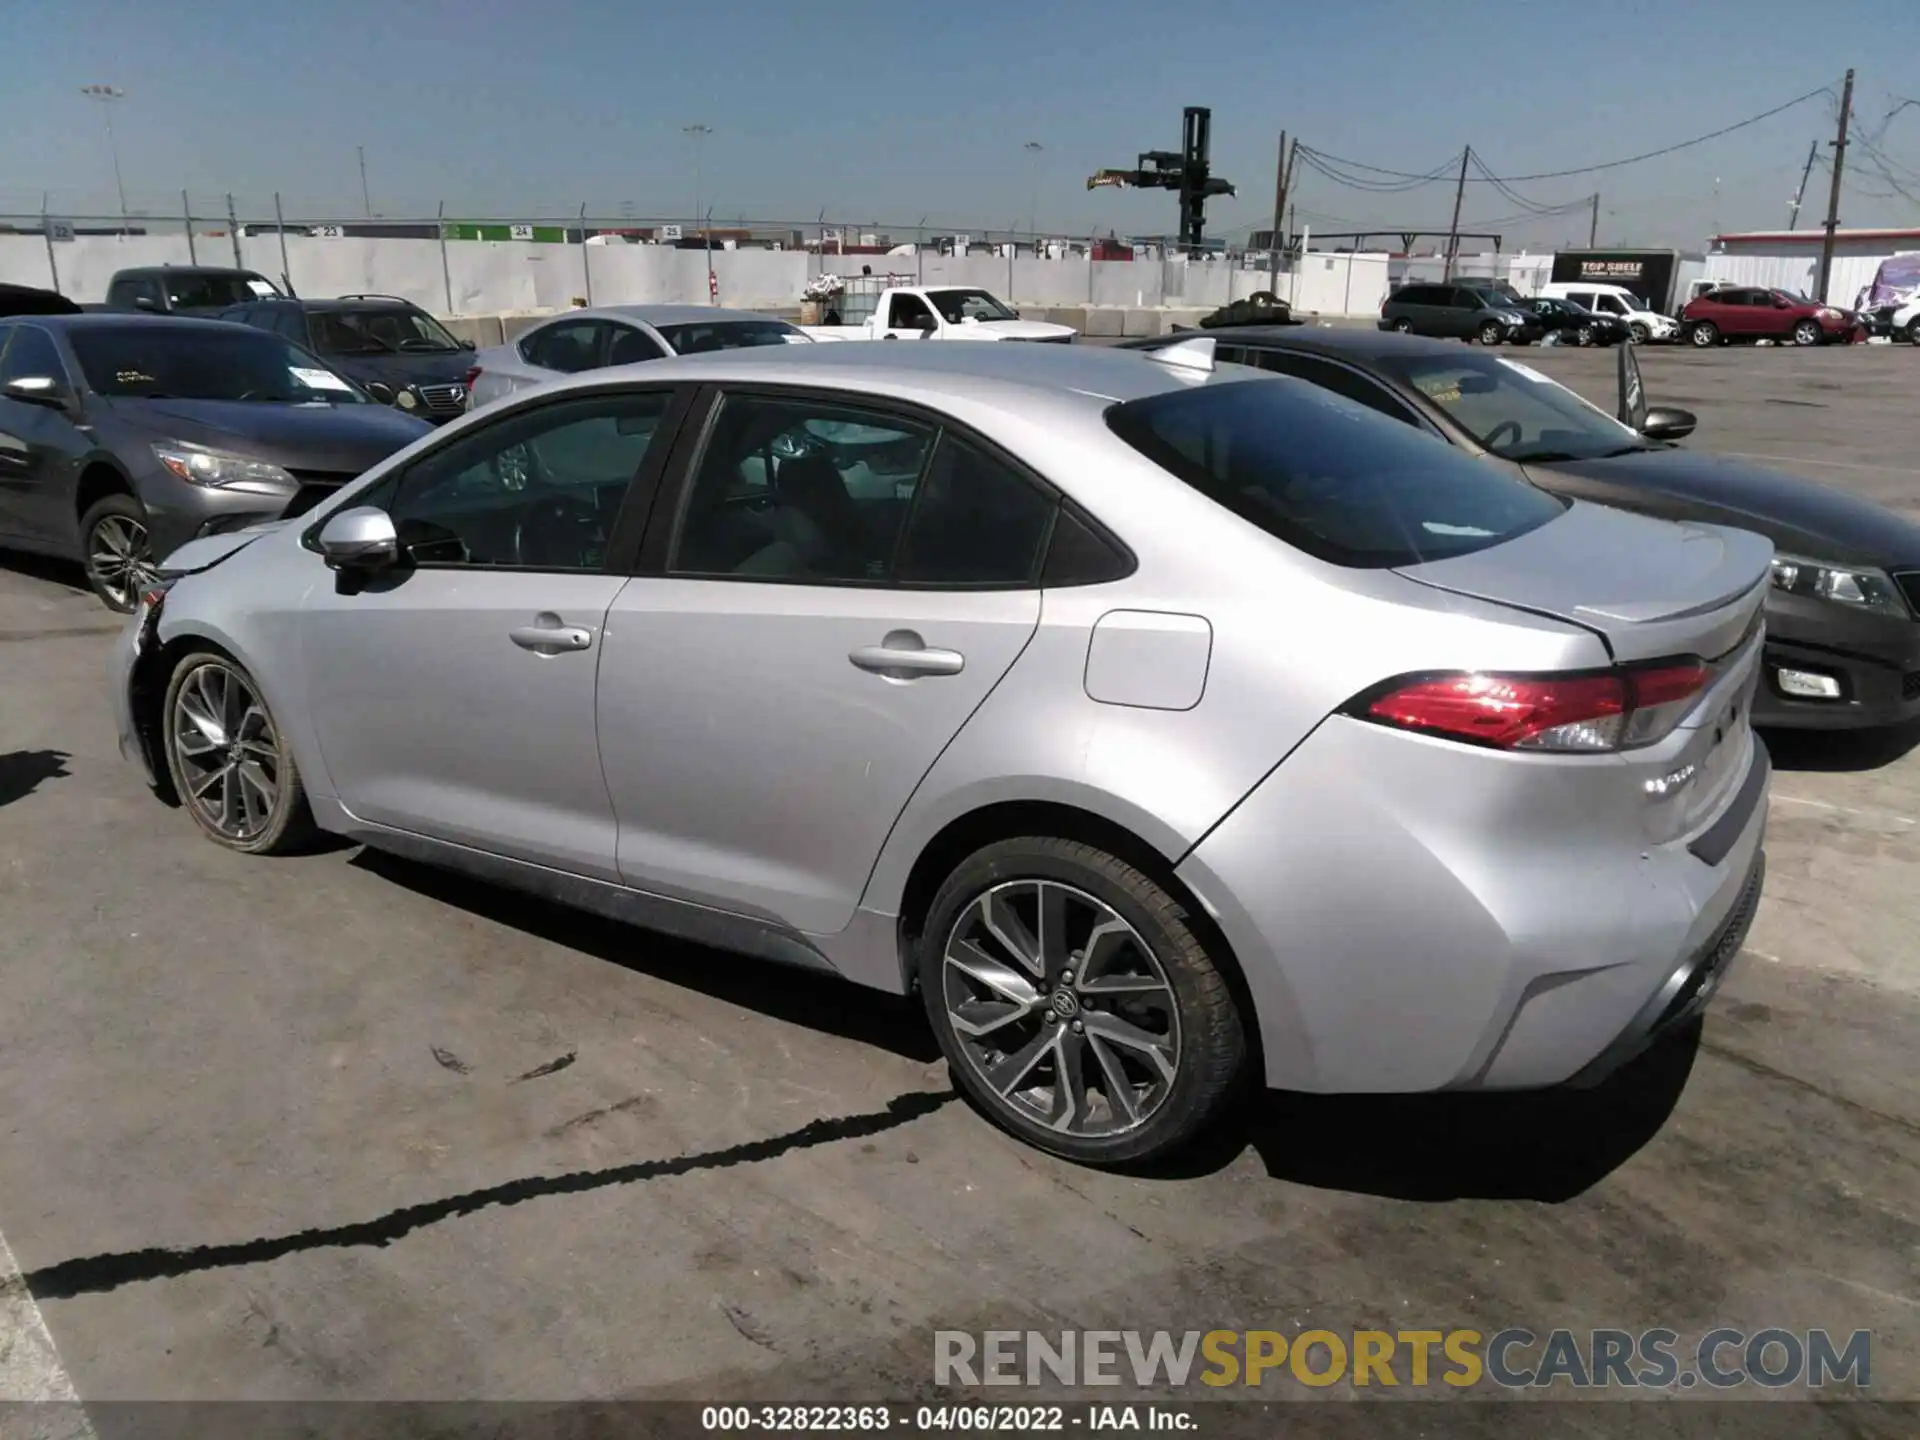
(699, 134)
(1280, 179)
(366, 195)
(1593, 224)
(1453, 230)
(1833, 195)
(1033, 149)
(1813, 153)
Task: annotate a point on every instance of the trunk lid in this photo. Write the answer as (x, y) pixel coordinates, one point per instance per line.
(1649, 588)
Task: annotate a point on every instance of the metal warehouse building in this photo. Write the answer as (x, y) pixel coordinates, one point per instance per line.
(1790, 259)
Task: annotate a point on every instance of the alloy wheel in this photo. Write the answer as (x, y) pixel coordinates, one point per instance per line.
(1490, 334)
(1061, 1008)
(121, 558)
(227, 754)
(1806, 333)
(1704, 335)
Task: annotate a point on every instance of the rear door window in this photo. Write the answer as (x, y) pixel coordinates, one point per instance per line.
(1329, 476)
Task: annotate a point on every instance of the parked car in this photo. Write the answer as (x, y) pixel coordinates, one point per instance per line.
(583, 340)
(185, 289)
(390, 347)
(31, 300)
(1486, 285)
(1570, 324)
(1644, 323)
(942, 312)
(1743, 313)
(1000, 711)
(124, 436)
(1461, 312)
(1843, 648)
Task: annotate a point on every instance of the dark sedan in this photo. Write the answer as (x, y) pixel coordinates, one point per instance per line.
(1575, 324)
(124, 436)
(1843, 618)
(391, 348)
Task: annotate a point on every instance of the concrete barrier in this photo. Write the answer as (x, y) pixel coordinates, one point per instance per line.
(1105, 323)
(483, 330)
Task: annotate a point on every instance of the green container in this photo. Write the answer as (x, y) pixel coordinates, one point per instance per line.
(475, 230)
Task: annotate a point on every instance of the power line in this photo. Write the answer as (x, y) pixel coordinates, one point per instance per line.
(1313, 157)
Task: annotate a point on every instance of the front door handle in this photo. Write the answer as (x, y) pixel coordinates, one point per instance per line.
(903, 655)
(547, 636)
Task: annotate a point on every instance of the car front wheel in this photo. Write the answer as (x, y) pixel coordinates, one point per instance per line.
(1912, 334)
(1639, 332)
(119, 554)
(1077, 1003)
(1807, 332)
(229, 762)
(1704, 334)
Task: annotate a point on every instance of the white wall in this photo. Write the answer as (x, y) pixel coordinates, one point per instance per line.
(487, 277)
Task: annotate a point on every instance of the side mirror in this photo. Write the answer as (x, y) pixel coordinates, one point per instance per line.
(1664, 422)
(360, 538)
(468, 345)
(42, 390)
(929, 325)
(144, 302)
(1780, 304)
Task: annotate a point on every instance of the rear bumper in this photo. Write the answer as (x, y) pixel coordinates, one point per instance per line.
(1413, 915)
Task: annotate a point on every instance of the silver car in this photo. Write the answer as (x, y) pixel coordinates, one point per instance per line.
(582, 340)
(1164, 725)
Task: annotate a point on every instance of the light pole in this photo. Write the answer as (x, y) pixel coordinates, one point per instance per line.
(1033, 149)
(109, 96)
(699, 134)
(366, 195)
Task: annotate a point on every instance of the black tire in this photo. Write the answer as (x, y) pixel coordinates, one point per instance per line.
(1912, 333)
(1585, 334)
(1808, 332)
(1641, 335)
(1703, 334)
(117, 582)
(1403, 326)
(1491, 333)
(288, 823)
(1204, 1021)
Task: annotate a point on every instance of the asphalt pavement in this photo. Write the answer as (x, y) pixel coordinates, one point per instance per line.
(342, 1127)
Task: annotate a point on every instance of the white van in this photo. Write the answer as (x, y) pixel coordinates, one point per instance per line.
(1645, 324)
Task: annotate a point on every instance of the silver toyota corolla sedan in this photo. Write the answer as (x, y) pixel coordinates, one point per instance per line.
(1164, 725)
(582, 340)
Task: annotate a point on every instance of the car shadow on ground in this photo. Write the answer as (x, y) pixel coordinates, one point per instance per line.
(23, 771)
(799, 997)
(1841, 750)
(42, 567)
(1547, 1145)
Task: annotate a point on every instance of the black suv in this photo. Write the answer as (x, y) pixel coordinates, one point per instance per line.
(202, 290)
(1461, 311)
(391, 348)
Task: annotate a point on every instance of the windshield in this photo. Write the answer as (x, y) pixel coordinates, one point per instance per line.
(959, 305)
(706, 336)
(1330, 476)
(1513, 410)
(191, 291)
(383, 330)
(178, 361)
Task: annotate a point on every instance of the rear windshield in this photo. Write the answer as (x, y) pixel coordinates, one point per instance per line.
(1329, 476)
(709, 335)
(198, 291)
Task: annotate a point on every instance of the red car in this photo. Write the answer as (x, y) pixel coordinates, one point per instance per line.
(1745, 314)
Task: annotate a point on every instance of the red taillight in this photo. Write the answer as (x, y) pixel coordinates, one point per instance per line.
(473, 374)
(1610, 710)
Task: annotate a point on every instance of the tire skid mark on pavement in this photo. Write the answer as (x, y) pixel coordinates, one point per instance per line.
(30, 1368)
(97, 1274)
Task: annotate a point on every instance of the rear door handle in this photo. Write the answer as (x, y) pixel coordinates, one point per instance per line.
(552, 639)
(903, 655)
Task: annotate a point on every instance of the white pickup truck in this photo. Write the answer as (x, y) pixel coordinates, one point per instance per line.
(940, 312)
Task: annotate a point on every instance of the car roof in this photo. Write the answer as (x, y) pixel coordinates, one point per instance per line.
(1077, 374)
(187, 270)
(1349, 343)
(662, 314)
(122, 319)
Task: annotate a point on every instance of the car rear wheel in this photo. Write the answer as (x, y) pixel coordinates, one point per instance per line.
(1403, 326)
(1639, 332)
(1704, 333)
(1912, 333)
(120, 560)
(229, 761)
(1076, 1002)
(1492, 333)
(1807, 332)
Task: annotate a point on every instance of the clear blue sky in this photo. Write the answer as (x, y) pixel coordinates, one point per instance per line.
(922, 107)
